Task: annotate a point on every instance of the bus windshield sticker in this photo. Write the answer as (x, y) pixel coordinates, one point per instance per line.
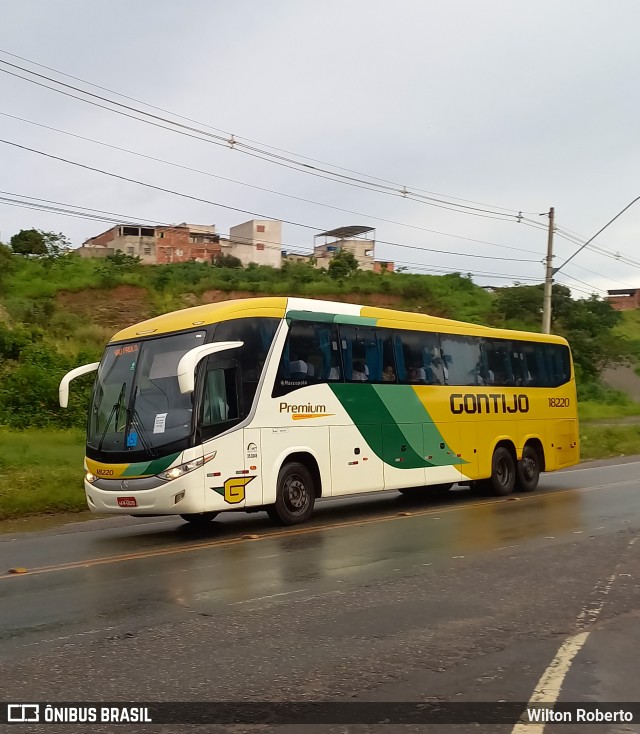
(132, 439)
(158, 425)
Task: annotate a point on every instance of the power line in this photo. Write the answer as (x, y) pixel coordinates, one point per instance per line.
(600, 275)
(230, 139)
(428, 268)
(599, 249)
(294, 249)
(259, 188)
(207, 201)
(602, 251)
(91, 213)
(366, 186)
(589, 285)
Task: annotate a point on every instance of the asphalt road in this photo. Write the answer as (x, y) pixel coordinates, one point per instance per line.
(378, 599)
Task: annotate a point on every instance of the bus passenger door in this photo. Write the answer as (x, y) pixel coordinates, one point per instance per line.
(355, 465)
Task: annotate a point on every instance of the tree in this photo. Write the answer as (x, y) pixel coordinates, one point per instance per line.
(343, 265)
(523, 303)
(225, 261)
(38, 242)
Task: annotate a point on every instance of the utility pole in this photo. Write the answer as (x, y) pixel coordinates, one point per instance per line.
(548, 281)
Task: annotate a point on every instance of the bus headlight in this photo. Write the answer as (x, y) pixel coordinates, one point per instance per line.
(179, 471)
(91, 478)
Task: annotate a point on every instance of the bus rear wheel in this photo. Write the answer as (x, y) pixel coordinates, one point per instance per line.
(200, 519)
(528, 469)
(295, 495)
(503, 473)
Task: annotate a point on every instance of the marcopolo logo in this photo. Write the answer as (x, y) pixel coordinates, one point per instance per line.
(491, 403)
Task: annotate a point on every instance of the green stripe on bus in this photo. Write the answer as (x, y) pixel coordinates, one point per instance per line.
(331, 318)
(369, 413)
(408, 431)
(408, 410)
(148, 468)
(355, 320)
(323, 318)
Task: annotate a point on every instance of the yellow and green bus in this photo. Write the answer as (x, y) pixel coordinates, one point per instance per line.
(271, 403)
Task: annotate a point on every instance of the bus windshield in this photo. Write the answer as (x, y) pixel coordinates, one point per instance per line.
(137, 404)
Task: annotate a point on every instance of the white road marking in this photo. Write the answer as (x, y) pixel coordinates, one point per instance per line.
(271, 596)
(69, 637)
(594, 468)
(548, 688)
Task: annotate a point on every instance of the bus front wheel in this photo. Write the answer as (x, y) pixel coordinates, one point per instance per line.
(528, 470)
(200, 519)
(295, 496)
(503, 473)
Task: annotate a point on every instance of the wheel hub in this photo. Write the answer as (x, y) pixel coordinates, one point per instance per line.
(296, 495)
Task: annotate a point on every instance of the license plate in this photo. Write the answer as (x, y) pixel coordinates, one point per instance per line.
(127, 502)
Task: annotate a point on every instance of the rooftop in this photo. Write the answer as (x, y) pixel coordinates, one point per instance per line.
(343, 233)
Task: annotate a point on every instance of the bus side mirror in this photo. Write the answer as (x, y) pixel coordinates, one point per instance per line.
(63, 390)
(188, 363)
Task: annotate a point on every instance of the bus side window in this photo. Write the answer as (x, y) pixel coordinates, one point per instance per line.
(310, 356)
(257, 335)
(418, 358)
(558, 364)
(497, 362)
(461, 355)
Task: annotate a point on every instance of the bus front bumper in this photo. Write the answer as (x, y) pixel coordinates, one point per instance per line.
(178, 497)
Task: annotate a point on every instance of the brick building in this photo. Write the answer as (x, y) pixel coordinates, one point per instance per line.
(257, 241)
(624, 298)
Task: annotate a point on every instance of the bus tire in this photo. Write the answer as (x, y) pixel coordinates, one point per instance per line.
(503, 473)
(200, 519)
(528, 469)
(295, 495)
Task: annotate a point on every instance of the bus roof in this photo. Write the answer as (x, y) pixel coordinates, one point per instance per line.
(279, 306)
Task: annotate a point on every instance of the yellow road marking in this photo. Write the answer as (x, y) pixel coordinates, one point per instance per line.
(221, 543)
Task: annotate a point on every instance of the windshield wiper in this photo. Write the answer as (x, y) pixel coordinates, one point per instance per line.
(133, 418)
(114, 411)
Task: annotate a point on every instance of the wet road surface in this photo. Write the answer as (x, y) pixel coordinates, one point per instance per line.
(377, 599)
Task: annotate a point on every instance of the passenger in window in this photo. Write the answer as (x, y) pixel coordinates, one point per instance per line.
(388, 375)
(298, 369)
(359, 374)
(311, 371)
(334, 373)
(482, 376)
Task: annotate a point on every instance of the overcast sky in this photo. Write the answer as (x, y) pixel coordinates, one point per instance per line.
(516, 107)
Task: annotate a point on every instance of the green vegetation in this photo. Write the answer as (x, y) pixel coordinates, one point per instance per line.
(40, 471)
(589, 411)
(58, 311)
(601, 442)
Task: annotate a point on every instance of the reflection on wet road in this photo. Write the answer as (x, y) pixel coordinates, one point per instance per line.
(87, 578)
